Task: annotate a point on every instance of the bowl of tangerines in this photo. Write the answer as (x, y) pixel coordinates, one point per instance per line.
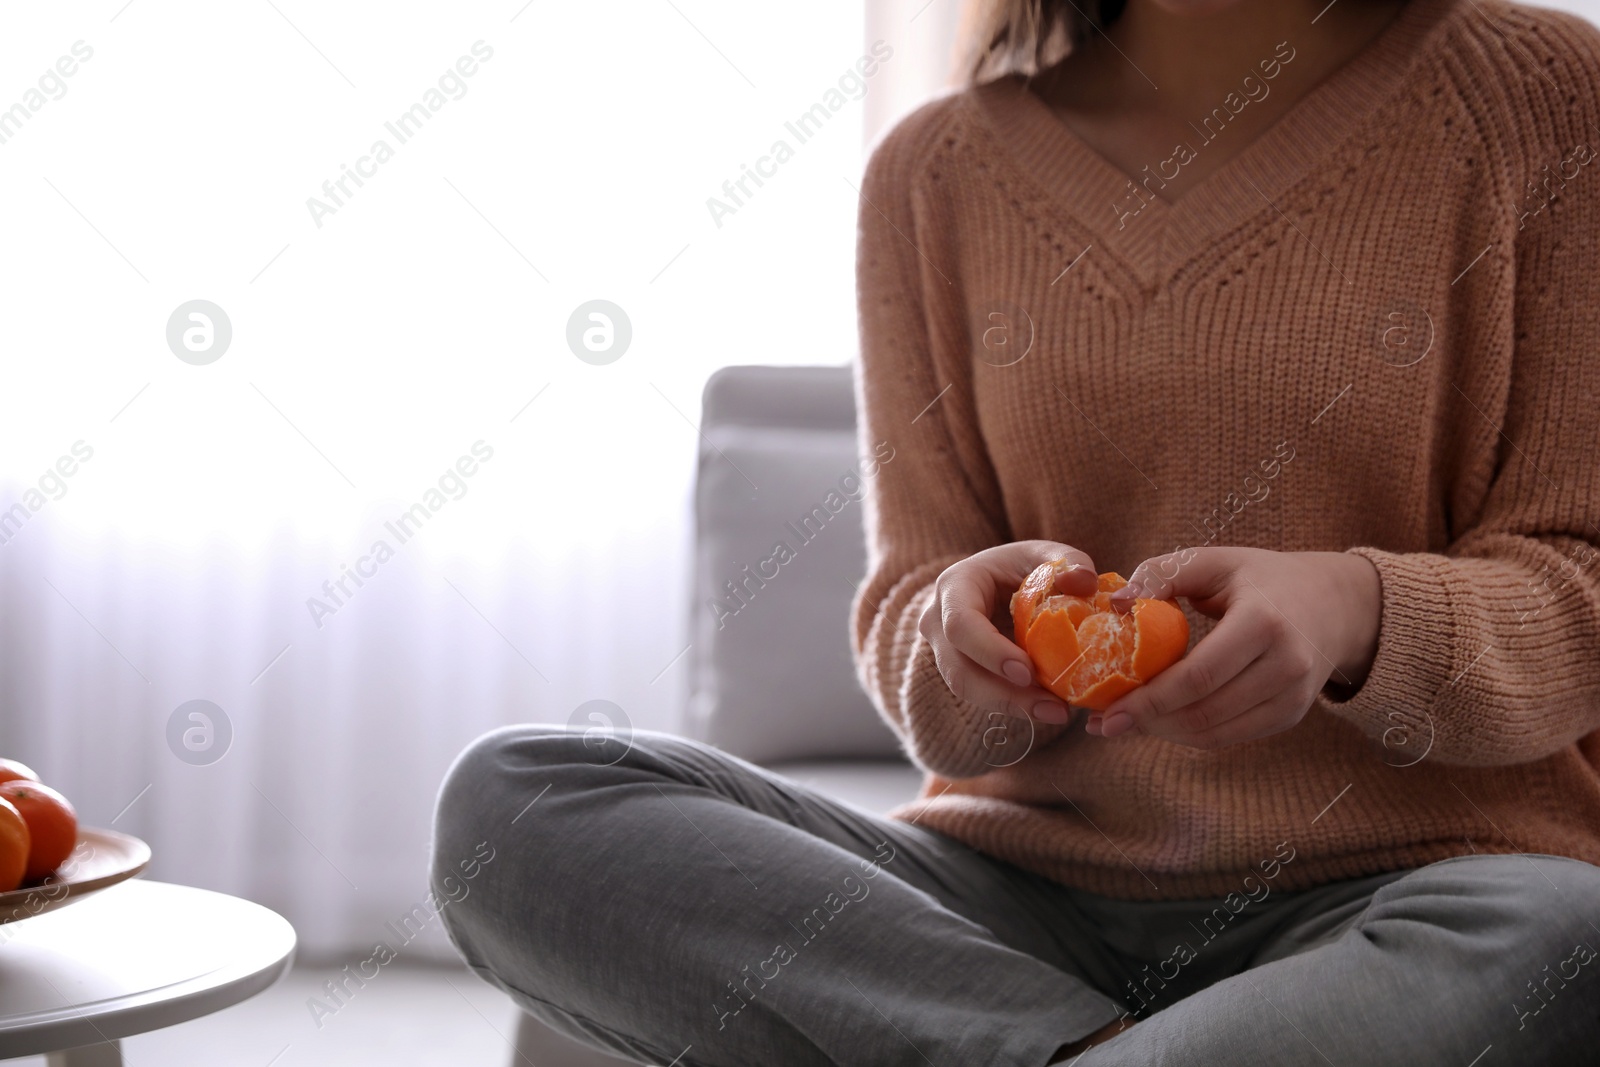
(46, 858)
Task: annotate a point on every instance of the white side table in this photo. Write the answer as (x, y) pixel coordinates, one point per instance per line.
(134, 957)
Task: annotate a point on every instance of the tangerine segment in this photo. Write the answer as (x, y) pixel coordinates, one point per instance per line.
(1082, 649)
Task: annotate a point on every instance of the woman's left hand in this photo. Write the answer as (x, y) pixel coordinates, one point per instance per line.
(1288, 621)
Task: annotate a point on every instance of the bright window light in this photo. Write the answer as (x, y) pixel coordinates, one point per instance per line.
(397, 217)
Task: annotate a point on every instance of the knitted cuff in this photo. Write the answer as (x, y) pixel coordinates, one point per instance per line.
(1416, 646)
(954, 738)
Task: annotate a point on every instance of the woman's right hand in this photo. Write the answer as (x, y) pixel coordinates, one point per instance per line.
(968, 626)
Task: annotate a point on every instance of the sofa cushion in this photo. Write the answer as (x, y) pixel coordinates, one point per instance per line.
(779, 552)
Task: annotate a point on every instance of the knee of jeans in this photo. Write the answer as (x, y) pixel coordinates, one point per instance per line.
(477, 816)
(1512, 903)
(495, 784)
(484, 779)
(1557, 876)
(1574, 877)
(514, 854)
(1559, 882)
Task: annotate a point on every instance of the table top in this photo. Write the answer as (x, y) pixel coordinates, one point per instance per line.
(131, 958)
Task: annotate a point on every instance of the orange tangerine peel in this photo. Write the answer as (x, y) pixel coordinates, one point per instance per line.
(1085, 651)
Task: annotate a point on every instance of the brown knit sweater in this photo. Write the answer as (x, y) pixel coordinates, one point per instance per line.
(1376, 330)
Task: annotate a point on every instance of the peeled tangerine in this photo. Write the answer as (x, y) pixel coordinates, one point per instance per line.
(1083, 650)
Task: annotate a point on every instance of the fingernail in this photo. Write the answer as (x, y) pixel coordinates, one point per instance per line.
(1116, 724)
(1092, 725)
(1017, 672)
(1051, 711)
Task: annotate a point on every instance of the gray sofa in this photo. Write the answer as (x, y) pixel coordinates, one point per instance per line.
(771, 678)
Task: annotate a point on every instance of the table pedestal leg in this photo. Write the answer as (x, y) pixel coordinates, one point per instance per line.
(105, 1054)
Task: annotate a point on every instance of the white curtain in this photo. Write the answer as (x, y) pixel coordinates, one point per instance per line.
(538, 157)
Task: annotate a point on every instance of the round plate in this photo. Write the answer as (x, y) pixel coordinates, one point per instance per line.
(101, 858)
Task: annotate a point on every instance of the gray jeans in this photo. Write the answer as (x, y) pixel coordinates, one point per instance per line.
(670, 903)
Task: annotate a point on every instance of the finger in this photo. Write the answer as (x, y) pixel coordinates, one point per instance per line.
(1219, 657)
(1272, 716)
(1011, 564)
(1200, 574)
(1076, 578)
(969, 681)
(964, 619)
(1263, 678)
(967, 601)
(1023, 556)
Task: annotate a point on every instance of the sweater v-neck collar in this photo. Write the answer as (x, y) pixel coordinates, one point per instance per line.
(1146, 230)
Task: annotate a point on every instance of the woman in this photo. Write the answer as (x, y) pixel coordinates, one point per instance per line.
(1290, 309)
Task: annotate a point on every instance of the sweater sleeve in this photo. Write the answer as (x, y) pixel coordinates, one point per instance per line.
(1489, 653)
(936, 500)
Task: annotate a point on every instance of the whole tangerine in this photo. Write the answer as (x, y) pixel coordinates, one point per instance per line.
(14, 844)
(11, 770)
(1084, 650)
(52, 825)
